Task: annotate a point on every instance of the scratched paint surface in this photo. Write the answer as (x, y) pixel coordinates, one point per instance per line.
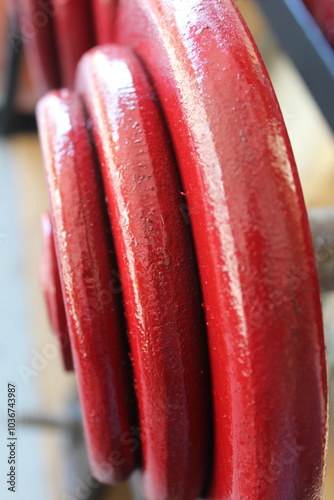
(87, 269)
(251, 237)
(252, 242)
(161, 293)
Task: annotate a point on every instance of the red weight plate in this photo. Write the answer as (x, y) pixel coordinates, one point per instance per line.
(74, 34)
(37, 32)
(53, 294)
(252, 238)
(157, 267)
(91, 295)
(104, 17)
(323, 11)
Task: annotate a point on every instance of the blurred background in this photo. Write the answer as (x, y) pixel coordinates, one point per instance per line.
(51, 456)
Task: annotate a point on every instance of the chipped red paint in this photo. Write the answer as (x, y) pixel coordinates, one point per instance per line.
(253, 244)
(50, 280)
(323, 11)
(87, 272)
(158, 273)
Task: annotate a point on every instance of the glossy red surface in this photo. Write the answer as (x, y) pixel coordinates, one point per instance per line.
(253, 245)
(157, 267)
(37, 31)
(323, 11)
(91, 294)
(74, 35)
(104, 17)
(50, 280)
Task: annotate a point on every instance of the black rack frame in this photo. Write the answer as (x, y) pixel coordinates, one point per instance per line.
(302, 39)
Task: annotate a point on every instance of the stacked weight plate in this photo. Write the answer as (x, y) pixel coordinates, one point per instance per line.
(56, 33)
(179, 248)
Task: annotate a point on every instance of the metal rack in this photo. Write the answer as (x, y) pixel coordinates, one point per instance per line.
(10, 119)
(302, 39)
